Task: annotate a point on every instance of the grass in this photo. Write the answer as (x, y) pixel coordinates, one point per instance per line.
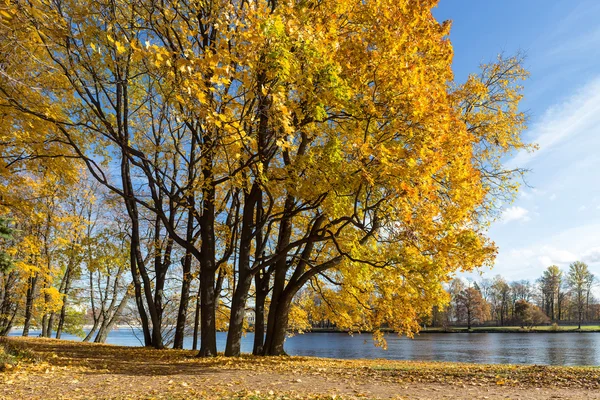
(508, 329)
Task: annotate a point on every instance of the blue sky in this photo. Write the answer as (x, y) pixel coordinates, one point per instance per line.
(557, 219)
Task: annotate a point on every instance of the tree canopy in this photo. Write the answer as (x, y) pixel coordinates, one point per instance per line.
(274, 145)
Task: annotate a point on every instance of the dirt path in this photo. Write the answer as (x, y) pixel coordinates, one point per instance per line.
(70, 370)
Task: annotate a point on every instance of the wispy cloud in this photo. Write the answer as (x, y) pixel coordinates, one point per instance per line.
(557, 248)
(582, 42)
(515, 213)
(575, 116)
(592, 255)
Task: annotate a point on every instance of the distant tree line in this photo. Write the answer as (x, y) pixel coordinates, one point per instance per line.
(557, 296)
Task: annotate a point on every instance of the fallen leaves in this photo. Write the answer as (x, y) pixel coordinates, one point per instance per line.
(81, 370)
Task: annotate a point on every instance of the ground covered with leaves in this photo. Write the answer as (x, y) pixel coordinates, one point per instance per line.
(49, 369)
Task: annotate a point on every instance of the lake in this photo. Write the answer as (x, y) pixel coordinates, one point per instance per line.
(485, 348)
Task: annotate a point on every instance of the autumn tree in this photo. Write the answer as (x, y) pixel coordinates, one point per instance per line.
(500, 299)
(278, 145)
(580, 280)
(529, 314)
(551, 284)
(472, 306)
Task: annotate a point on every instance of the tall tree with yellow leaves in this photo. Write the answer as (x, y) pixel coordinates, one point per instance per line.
(277, 143)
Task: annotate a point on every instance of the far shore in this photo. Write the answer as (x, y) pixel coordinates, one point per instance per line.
(488, 329)
(437, 330)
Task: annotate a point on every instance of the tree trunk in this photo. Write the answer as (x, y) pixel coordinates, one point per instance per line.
(278, 329)
(50, 325)
(29, 303)
(92, 331)
(262, 288)
(63, 309)
(208, 295)
(240, 294)
(107, 327)
(185, 286)
(238, 313)
(208, 331)
(196, 320)
(279, 278)
(136, 259)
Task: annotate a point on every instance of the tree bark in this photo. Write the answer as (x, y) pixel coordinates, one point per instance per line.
(63, 309)
(184, 298)
(274, 322)
(106, 328)
(240, 294)
(208, 332)
(196, 320)
(29, 303)
(261, 284)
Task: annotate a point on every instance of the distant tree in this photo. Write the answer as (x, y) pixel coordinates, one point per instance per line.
(485, 287)
(580, 281)
(500, 299)
(529, 314)
(550, 284)
(455, 289)
(472, 306)
(589, 298)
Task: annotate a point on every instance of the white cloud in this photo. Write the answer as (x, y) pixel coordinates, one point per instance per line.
(515, 213)
(531, 257)
(592, 255)
(550, 255)
(582, 208)
(552, 197)
(577, 115)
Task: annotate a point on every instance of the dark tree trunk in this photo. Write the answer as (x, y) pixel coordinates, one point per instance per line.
(196, 321)
(208, 295)
(29, 303)
(238, 312)
(185, 285)
(276, 335)
(139, 301)
(208, 332)
(9, 306)
(116, 313)
(138, 268)
(184, 300)
(262, 289)
(63, 309)
(50, 325)
(240, 294)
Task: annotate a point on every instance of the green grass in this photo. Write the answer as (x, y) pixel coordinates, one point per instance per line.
(543, 328)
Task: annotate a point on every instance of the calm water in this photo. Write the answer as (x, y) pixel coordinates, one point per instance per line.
(508, 348)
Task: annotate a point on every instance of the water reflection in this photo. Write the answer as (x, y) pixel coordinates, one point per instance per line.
(488, 348)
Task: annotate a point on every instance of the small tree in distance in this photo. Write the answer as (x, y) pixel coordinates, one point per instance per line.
(529, 315)
(472, 306)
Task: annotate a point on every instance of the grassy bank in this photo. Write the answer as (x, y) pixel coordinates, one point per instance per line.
(65, 369)
(513, 329)
(488, 329)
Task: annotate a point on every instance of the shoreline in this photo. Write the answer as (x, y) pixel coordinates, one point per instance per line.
(505, 329)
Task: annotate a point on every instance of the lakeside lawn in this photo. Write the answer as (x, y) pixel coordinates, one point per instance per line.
(49, 368)
(541, 328)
